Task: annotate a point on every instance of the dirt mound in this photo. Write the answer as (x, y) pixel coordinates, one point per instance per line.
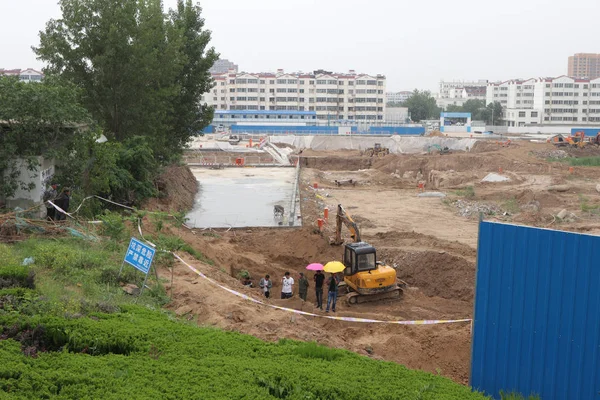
(177, 189)
(484, 146)
(437, 274)
(436, 134)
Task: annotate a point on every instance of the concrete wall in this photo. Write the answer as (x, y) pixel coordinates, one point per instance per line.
(37, 179)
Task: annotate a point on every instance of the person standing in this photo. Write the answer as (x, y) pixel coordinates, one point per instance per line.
(332, 286)
(62, 201)
(266, 285)
(319, 278)
(303, 286)
(287, 284)
(51, 195)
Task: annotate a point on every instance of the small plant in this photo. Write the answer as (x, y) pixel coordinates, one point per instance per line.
(517, 396)
(468, 192)
(112, 225)
(584, 204)
(511, 206)
(314, 350)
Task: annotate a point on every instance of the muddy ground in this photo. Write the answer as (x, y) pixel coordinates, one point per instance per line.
(430, 241)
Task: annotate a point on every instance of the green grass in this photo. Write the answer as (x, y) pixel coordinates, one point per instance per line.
(516, 396)
(468, 192)
(584, 161)
(146, 354)
(584, 204)
(77, 335)
(511, 206)
(578, 161)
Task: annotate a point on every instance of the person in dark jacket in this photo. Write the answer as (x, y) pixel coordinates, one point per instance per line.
(51, 195)
(332, 286)
(62, 201)
(319, 279)
(303, 286)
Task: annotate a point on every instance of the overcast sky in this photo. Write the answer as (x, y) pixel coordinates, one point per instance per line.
(414, 43)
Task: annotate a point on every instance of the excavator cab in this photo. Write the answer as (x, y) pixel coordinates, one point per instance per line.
(359, 257)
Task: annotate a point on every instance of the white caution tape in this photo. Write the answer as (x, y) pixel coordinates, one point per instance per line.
(347, 319)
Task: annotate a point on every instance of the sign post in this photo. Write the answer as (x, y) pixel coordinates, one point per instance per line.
(139, 255)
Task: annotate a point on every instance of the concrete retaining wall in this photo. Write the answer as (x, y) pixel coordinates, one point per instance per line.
(396, 144)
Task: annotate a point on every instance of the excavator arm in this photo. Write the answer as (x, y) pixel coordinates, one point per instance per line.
(343, 218)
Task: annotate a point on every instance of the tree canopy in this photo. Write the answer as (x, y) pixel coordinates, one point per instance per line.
(479, 111)
(36, 119)
(421, 105)
(142, 71)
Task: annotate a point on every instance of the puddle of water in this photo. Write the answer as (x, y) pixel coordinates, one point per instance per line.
(241, 197)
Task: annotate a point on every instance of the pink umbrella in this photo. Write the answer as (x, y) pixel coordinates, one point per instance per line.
(315, 267)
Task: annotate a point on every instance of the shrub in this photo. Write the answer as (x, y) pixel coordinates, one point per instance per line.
(17, 276)
(7, 256)
(313, 350)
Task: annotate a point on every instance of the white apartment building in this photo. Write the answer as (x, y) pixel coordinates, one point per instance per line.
(397, 97)
(458, 92)
(333, 96)
(25, 75)
(548, 101)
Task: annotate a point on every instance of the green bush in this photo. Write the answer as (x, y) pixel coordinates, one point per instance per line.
(7, 256)
(585, 161)
(17, 276)
(144, 352)
(64, 258)
(313, 350)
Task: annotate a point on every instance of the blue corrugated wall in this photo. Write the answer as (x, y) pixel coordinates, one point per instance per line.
(321, 130)
(537, 313)
(275, 129)
(588, 131)
(397, 130)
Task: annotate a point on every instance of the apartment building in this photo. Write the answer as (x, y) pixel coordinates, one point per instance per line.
(458, 92)
(333, 96)
(584, 66)
(548, 101)
(397, 97)
(25, 75)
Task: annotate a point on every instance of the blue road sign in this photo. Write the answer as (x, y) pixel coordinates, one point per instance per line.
(139, 255)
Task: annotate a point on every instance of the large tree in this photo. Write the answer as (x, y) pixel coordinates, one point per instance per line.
(36, 119)
(421, 105)
(492, 114)
(142, 71)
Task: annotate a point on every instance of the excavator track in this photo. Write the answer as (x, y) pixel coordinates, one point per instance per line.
(357, 298)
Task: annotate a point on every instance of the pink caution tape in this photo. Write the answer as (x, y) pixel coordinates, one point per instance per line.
(348, 319)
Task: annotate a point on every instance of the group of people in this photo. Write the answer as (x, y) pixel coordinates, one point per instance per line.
(287, 288)
(61, 200)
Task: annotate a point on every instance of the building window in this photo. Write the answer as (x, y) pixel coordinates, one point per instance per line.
(302, 82)
(321, 82)
(262, 81)
(272, 82)
(521, 114)
(231, 90)
(331, 82)
(534, 114)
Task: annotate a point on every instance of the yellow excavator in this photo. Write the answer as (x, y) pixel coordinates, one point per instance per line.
(365, 279)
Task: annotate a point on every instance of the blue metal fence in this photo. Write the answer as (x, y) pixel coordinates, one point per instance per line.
(537, 313)
(588, 131)
(396, 130)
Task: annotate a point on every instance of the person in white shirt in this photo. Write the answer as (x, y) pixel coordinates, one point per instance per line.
(286, 286)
